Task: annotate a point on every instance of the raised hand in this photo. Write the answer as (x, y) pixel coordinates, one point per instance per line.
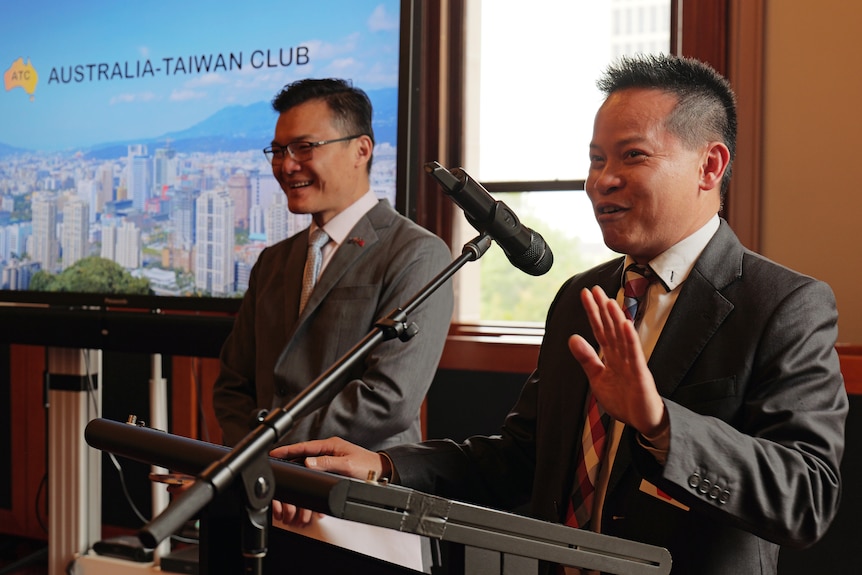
(618, 374)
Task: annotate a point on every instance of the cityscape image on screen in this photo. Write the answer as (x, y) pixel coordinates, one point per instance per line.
(131, 137)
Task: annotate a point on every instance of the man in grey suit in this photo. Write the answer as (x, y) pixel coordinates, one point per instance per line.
(726, 401)
(374, 261)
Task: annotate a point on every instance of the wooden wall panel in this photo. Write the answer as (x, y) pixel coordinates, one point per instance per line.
(28, 460)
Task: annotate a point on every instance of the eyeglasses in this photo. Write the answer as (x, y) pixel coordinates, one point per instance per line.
(299, 151)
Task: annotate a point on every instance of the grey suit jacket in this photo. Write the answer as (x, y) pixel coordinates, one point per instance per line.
(756, 402)
(273, 353)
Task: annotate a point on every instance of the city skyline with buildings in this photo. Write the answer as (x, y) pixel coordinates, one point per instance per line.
(202, 218)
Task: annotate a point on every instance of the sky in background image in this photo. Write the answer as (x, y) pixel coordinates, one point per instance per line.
(354, 39)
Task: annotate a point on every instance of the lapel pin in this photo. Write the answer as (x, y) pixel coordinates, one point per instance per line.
(358, 241)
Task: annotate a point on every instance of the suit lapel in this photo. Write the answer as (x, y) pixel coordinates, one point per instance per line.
(572, 404)
(573, 400)
(293, 269)
(699, 311)
(695, 318)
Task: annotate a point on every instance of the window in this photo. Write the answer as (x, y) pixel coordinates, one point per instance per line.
(530, 99)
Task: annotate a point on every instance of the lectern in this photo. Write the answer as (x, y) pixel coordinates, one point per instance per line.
(387, 506)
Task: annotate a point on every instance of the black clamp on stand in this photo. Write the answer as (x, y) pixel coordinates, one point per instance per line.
(258, 484)
(394, 325)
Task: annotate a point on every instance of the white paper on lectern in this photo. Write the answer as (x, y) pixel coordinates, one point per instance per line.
(403, 549)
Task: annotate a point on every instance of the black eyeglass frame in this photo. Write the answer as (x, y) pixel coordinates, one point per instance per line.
(276, 153)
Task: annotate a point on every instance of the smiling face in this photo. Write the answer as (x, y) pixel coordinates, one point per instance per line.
(334, 177)
(649, 189)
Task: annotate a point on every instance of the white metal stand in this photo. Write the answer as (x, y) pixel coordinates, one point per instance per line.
(159, 420)
(74, 469)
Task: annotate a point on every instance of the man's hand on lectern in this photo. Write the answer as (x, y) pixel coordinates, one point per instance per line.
(334, 455)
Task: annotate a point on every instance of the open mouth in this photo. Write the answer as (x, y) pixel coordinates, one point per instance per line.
(602, 210)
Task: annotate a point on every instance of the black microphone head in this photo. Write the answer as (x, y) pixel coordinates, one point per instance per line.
(537, 260)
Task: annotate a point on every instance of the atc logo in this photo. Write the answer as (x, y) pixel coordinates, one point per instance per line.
(21, 75)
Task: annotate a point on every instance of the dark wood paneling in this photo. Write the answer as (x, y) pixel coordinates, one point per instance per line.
(26, 464)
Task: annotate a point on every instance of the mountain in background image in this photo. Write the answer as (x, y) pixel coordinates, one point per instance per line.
(240, 128)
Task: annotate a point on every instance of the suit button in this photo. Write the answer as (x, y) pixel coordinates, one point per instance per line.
(703, 488)
(724, 497)
(714, 492)
(694, 480)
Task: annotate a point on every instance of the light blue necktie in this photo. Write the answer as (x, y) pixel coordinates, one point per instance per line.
(313, 261)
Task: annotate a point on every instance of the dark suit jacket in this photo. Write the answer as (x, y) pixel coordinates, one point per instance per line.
(273, 353)
(756, 402)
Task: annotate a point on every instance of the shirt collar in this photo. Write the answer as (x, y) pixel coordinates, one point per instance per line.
(339, 226)
(674, 264)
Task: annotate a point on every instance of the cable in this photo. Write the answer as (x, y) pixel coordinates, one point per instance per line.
(91, 391)
(126, 489)
(42, 490)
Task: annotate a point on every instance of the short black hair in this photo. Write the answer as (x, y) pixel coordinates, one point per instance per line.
(351, 108)
(706, 107)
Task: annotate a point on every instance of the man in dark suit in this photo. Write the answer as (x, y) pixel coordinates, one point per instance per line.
(726, 401)
(374, 261)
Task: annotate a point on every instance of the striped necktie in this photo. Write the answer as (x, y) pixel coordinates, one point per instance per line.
(638, 279)
(593, 439)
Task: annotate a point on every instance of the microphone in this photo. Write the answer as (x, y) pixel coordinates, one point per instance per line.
(525, 248)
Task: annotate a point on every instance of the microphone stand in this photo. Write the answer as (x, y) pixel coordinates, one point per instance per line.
(249, 458)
